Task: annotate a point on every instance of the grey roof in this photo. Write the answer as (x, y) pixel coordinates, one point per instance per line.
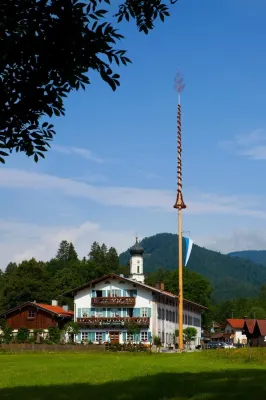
(136, 249)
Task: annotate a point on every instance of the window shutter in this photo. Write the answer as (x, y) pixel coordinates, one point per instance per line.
(124, 337)
(104, 312)
(124, 312)
(104, 293)
(120, 312)
(136, 312)
(149, 336)
(78, 338)
(93, 293)
(124, 293)
(149, 312)
(79, 312)
(108, 312)
(134, 293)
(104, 336)
(93, 336)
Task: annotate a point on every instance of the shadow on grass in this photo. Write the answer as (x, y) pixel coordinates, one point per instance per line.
(231, 384)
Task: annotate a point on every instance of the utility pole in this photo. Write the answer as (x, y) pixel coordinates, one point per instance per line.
(179, 205)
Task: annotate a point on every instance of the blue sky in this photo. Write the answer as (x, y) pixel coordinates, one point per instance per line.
(112, 170)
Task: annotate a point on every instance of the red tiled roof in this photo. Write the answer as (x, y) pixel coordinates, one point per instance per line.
(236, 323)
(56, 309)
(262, 326)
(250, 324)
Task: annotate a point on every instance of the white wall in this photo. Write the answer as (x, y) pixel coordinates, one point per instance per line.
(144, 299)
(237, 336)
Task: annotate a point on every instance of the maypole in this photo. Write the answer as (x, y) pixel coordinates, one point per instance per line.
(179, 205)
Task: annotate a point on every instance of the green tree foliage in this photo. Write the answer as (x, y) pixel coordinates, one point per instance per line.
(28, 282)
(240, 307)
(23, 335)
(47, 50)
(66, 252)
(230, 277)
(35, 280)
(196, 288)
(54, 334)
(190, 334)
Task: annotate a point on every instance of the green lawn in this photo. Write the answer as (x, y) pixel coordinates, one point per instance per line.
(196, 376)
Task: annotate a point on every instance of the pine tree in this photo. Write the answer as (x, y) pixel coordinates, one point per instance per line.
(112, 259)
(63, 251)
(72, 254)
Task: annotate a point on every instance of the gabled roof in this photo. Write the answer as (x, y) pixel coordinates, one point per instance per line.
(236, 323)
(55, 310)
(122, 278)
(250, 325)
(261, 323)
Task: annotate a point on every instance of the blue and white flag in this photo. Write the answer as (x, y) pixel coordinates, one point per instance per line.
(188, 244)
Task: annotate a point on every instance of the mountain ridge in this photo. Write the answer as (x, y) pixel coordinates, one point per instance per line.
(230, 276)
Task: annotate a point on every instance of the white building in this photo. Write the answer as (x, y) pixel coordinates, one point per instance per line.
(106, 307)
(235, 327)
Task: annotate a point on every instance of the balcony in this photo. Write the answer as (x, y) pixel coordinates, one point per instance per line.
(111, 301)
(113, 322)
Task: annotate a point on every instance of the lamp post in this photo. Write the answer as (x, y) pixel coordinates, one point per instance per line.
(180, 205)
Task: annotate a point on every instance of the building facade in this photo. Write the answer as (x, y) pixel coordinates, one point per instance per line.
(235, 327)
(116, 309)
(32, 316)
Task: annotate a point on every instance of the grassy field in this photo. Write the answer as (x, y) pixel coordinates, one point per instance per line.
(198, 376)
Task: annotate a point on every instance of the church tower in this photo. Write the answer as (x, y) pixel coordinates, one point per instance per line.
(136, 262)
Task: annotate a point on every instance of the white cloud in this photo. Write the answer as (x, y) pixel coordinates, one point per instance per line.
(154, 199)
(238, 240)
(20, 240)
(252, 145)
(85, 153)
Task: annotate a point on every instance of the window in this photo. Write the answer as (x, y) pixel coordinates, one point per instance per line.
(162, 313)
(144, 336)
(167, 338)
(99, 336)
(189, 320)
(197, 321)
(130, 337)
(167, 315)
(114, 293)
(115, 312)
(159, 313)
(31, 314)
(144, 312)
(99, 312)
(84, 335)
(138, 269)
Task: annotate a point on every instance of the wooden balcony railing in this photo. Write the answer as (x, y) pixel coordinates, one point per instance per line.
(110, 322)
(110, 301)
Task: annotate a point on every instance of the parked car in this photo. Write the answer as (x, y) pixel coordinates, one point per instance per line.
(227, 345)
(213, 345)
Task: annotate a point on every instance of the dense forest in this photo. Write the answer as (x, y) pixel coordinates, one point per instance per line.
(230, 277)
(43, 281)
(256, 256)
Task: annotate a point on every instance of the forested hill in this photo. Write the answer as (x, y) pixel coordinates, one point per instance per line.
(256, 256)
(230, 277)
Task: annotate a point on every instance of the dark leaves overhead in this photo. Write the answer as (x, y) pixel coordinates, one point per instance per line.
(47, 48)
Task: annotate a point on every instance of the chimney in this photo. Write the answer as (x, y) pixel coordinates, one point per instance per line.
(159, 285)
(65, 307)
(54, 303)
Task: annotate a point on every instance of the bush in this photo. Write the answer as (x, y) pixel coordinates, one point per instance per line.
(54, 334)
(23, 335)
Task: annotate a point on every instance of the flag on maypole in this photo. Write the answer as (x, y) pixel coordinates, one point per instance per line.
(188, 247)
